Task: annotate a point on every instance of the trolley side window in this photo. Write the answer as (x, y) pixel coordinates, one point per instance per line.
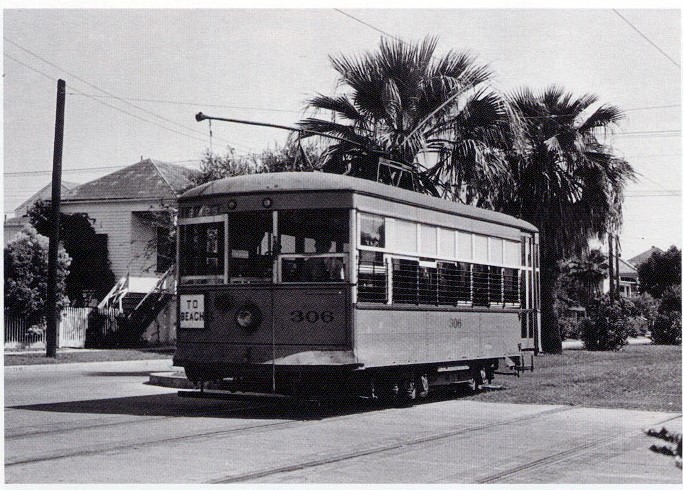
(372, 277)
(372, 231)
(313, 245)
(202, 253)
(454, 283)
(250, 238)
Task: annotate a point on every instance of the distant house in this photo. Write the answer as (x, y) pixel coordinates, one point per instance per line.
(644, 256)
(628, 273)
(133, 208)
(628, 279)
(14, 225)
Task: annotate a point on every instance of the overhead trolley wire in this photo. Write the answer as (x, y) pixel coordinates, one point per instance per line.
(646, 38)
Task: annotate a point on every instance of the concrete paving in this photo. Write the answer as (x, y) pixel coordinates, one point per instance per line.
(101, 424)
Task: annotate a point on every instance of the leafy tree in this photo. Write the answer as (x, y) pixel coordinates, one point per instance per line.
(660, 271)
(26, 259)
(402, 101)
(90, 272)
(646, 309)
(606, 324)
(581, 278)
(291, 157)
(666, 328)
(564, 181)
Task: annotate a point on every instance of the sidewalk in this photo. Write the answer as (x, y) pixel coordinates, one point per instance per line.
(571, 344)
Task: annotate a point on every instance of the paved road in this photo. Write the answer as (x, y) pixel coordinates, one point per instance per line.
(99, 423)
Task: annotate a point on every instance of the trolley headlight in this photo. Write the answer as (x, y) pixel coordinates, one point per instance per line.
(248, 317)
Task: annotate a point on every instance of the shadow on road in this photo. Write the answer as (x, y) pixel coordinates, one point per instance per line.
(171, 405)
(142, 374)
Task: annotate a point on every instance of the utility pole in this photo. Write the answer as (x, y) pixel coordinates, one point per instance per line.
(617, 254)
(53, 252)
(611, 267)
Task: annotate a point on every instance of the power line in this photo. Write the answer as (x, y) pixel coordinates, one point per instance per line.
(658, 131)
(112, 96)
(201, 104)
(651, 107)
(85, 169)
(646, 38)
(104, 103)
(370, 26)
(30, 67)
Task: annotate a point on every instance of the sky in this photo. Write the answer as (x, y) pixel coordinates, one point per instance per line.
(136, 78)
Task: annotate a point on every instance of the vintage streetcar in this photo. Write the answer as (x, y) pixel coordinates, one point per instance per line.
(313, 284)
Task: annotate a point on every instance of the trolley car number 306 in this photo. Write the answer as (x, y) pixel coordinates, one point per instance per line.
(311, 316)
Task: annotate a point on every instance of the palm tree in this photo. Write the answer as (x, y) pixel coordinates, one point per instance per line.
(401, 101)
(565, 181)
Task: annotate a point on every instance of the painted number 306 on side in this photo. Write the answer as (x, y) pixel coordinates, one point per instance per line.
(311, 316)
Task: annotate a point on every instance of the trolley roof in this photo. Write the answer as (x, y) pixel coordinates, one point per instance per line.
(319, 181)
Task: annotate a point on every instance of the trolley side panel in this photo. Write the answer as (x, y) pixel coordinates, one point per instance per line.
(402, 337)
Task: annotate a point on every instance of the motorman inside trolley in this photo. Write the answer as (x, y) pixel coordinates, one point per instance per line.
(323, 269)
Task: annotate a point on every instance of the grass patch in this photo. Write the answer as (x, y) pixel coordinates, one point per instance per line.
(640, 377)
(88, 356)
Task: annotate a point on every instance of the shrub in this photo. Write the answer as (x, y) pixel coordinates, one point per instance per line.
(26, 262)
(570, 328)
(667, 328)
(606, 324)
(667, 325)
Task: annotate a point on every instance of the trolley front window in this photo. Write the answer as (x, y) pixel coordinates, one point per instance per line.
(250, 239)
(313, 245)
(202, 256)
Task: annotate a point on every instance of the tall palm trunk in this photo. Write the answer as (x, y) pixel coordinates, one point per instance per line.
(551, 341)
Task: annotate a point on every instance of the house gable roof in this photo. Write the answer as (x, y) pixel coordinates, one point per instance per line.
(626, 269)
(43, 194)
(644, 257)
(144, 180)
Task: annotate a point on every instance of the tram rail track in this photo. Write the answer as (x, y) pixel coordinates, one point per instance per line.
(562, 455)
(104, 448)
(245, 477)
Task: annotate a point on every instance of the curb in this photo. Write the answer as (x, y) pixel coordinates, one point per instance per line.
(151, 364)
(175, 379)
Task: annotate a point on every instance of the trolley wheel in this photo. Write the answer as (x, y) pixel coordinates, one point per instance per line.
(423, 386)
(478, 375)
(194, 374)
(408, 390)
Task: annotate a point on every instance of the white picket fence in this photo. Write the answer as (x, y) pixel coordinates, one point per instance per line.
(72, 327)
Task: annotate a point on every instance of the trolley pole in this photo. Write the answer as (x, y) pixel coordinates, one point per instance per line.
(53, 252)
